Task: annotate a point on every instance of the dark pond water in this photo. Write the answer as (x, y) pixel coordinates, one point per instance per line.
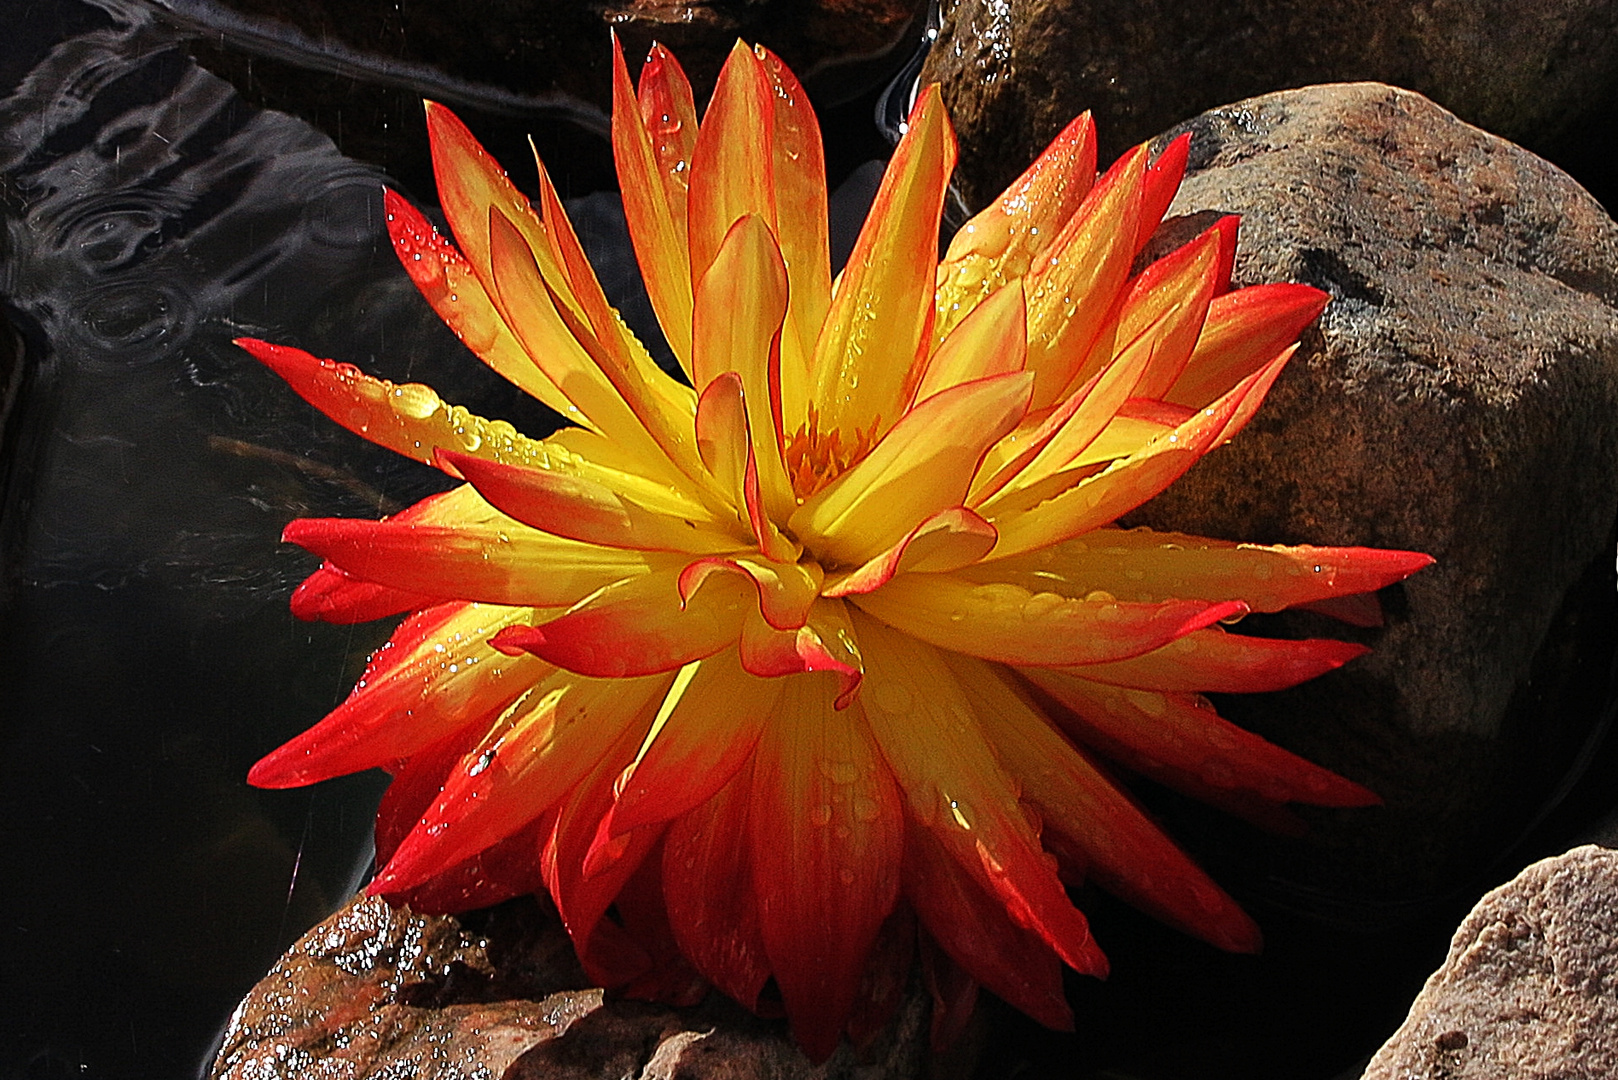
(150, 214)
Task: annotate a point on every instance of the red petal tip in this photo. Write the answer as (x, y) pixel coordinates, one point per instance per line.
(516, 640)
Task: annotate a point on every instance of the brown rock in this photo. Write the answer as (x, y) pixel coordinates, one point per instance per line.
(1015, 71)
(1530, 987)
(1458, 399)
(379, 991)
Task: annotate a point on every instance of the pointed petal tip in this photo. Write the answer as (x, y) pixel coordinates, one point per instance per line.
(516, 640)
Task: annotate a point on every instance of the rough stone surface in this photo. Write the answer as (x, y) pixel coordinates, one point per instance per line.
(375, 991)
(1014, 71)
(1457, 398)
(1530, 987)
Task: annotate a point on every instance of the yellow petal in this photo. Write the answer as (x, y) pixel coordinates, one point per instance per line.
(922, 466)
(999, 245)
(867, 358)
(1016, 625)
(737, 327)
(993, 340)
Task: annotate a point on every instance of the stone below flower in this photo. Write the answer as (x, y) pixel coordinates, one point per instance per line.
(803, 665)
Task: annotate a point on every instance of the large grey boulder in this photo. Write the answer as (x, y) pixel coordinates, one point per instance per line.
(1014, 71)
(1459, 397)
(1529, 989)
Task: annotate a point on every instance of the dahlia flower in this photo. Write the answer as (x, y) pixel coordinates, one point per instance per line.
(803, 663)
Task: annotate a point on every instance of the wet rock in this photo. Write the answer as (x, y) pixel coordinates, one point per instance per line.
(1456, 398)
(379, 991)
(1530, 986)
(1014, 71)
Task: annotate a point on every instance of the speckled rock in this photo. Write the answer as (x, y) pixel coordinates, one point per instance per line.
(1529, 989)
(497, 995)
(1014, 71)
(1457, 398)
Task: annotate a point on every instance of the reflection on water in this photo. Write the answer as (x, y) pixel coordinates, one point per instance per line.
(148, 658)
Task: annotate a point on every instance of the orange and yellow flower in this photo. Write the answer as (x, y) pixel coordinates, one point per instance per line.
(809, 657)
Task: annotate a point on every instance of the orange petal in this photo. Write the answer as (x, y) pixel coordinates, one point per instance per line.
(1096, 500)
(494, 560)
(1172, 296)
(652, 143)
(470, 184)
(825, 642)
(707, 879)
(972, 926)
(924, 465)
(948, 540)
(732, 170)
(1148, 566)
(1012, 624)
(1075, 283)
(785, 590)
(953, 785)
(1000, 244)
(800, 226)
(451, 678)
(1162, 181)
(1244, 331)
(538, 751)
(1213, 662)
(703, 733)
(637, 626)
(877, 332)
(1123, 850)
(581, 507)
(826, 830)
(445, 278)
(726, 445)
(992, 340)
(597, 372)
(1183, 736)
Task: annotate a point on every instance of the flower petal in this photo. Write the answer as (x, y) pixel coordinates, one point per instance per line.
(948, 540)
(697, 742)
(447, 280)
(877, 332)
(1245, 330)
(408, 418)
(800, 227)
(1162, 182)
(582, 507)
(971, 925)
(999, 245)
(741, 301)
(1075, 283)
(732, 168)
(1095, 500)
(825, 642)
(1212, 661)
(726, 445)
(785, 590)
(652, 143)
(1148, 566)
(544, 745)
(826, 831)
(1015, 625)
(992, 340)
(1184, 738)
(330, 595)
(1172, 296)
(637, 626)
(486, 557)
(453, 678)
(954, 787)
(924, 465)
(1123, 850)
(707, 879)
